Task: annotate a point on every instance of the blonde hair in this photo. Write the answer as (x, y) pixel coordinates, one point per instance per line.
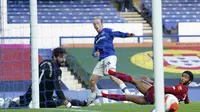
(98, 17)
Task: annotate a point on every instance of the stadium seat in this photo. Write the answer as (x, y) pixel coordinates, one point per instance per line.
(63, 11)
(177, 11)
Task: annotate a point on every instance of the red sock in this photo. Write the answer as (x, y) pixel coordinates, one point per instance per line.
(124, 77)
(116, 97)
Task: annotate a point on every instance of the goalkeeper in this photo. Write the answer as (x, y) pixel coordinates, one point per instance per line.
(49, 81)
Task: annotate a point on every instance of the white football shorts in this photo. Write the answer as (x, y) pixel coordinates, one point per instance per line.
(104, 65)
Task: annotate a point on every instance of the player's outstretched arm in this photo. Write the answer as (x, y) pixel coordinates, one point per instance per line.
(121, 34)
(60, 94)
(175, 89)
(187, 101)
(67, 101)
(46, 71)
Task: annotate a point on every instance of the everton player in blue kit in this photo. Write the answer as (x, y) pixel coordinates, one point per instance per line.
(105, 52)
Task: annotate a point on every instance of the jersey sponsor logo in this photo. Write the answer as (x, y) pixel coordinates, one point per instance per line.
(175, 61)
(179, 88)
(100, 38)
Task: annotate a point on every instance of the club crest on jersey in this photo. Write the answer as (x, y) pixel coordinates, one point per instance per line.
(108, 63)
(175, 61)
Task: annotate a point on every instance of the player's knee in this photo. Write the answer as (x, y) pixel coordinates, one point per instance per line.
(144, 78)
(92, 82)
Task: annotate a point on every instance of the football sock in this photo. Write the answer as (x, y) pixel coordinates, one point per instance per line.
(124, 77)
(116, 97)
(124, 88)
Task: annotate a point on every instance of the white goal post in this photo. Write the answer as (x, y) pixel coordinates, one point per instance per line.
(34, 54)
(158, 54)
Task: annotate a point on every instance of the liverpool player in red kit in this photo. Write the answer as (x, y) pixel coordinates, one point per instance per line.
(145, 86)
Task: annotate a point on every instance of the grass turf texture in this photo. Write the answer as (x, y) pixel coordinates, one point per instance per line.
(117, 107)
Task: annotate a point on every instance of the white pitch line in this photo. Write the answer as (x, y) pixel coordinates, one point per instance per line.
(71, 109)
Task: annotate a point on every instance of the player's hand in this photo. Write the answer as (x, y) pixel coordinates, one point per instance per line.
(67, 104)
(131, 35)
(97, 53)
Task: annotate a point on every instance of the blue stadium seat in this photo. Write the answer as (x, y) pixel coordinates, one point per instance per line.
(181, 16)
(63, 11)
(175, 11)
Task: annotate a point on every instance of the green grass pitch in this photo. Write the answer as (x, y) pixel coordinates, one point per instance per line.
(117, 107)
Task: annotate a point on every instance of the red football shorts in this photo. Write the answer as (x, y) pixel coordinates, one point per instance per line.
(149, 95)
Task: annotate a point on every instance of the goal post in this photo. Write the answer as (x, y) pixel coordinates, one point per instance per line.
(158, 55)
(34, 54)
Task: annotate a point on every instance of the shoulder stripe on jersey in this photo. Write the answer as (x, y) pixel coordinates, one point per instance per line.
(43, 70)
(41, 75)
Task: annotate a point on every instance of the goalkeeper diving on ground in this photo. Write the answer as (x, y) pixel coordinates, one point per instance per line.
(49, 81)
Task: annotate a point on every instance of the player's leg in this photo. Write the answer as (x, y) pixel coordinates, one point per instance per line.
(56, 103)
(93, 82)
(68, 101)
(121, 84)
(26, 98)
(21, 101)
(96, 76)
(110, 64)
(18, 102)
(118, 97)
(51, 103)
(147, 79)
(93, 87)
(76, 102)
(141, 85)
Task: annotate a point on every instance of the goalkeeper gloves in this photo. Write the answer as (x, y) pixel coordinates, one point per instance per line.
(69, 105)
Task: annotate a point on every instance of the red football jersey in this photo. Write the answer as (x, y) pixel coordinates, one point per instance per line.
(179, 90)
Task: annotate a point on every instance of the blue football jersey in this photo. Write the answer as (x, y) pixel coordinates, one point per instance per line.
(104, 42)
